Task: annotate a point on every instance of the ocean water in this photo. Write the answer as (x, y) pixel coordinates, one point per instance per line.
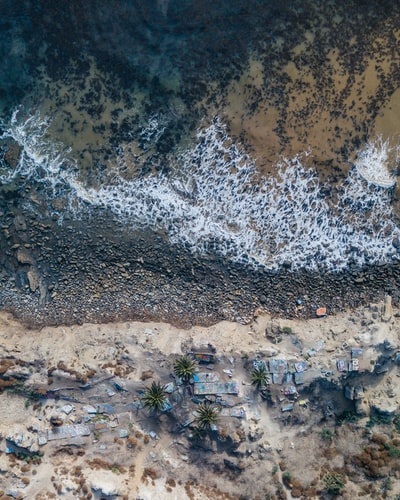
(259, 133)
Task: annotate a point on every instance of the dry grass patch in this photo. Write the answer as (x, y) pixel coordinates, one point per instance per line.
(98, 463)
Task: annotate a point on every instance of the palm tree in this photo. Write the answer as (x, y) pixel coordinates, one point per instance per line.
(155, 397)
(207, 415)
(259, 376)
(184, 368)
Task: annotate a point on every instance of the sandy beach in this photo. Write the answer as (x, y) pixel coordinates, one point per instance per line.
(154, 460)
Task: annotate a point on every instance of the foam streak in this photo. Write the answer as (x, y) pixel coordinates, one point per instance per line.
(214, 202)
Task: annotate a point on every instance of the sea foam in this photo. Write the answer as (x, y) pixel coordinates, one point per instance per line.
(214, 200)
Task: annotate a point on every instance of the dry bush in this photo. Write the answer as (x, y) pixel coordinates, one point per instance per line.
(123, 371)
(309, 492)
(150, 472)
(146, 375)
(330, 453)
(131, 442)
(223, 433)
(5, 364)
(77, 471)
(295, 484)
(378, 439)
(99, 463)
(8, 383)
(63, 450)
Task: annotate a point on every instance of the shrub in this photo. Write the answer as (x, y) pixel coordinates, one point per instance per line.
(334, 483)
(326, 434)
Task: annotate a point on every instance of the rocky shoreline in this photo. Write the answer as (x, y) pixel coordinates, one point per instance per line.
(74, 272)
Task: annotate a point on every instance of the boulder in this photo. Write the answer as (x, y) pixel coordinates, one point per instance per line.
(388, 311)
(255, 433)
(33, 278)
(383, 405)
(24, 256)
(362, 407)
(104, 483)
(13, 155)
(19, 439)
(20, 223)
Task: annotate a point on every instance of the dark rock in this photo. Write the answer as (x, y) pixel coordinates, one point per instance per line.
(232, 466)
(56, 421)
(13, 155)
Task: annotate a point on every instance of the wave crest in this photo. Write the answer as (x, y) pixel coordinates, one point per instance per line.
(214, 200)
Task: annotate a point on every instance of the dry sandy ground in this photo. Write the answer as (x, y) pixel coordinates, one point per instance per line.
(167, 466)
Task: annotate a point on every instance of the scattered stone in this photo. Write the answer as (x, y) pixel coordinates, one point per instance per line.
(388, 312)
(33, 278)
(90, 409)
(42, 440)
(123, 433)
(255, 433)
(105, 408)
(20, 223)
(24, 256)
(67, 409)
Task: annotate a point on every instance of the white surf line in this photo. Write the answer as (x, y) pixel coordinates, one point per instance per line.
(212, 201)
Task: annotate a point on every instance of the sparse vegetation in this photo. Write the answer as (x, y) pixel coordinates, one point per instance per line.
(379, 420)
(100, 417)
(347, 417)
(334, 483)
(326, 434)
(396, 422)
(394, 451)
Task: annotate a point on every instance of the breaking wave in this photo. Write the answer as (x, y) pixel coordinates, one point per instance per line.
(214, 200)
